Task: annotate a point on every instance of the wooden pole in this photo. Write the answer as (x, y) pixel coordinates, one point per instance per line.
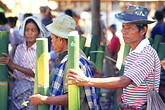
(4, 41)
(42, 69)
(73, 63)
(95, 9)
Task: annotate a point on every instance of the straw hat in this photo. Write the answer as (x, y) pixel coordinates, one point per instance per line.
(135, 14)
(62, 25)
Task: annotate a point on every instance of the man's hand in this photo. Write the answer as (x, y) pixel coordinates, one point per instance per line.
(6, 60)
(163, 63)
(77, 78)
(37, 99)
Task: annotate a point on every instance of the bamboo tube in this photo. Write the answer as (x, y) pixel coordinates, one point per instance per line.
(100, 57)
(36, 82)
(116, 107)
(42, 69)
(151, 41)
(127, 48)
(157, 41)
(86, 51)
(93, 48)
(82, 42)
(73, 63)
(161, 51)
(4, 41)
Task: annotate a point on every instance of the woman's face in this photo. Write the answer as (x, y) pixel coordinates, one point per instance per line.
(31, 32)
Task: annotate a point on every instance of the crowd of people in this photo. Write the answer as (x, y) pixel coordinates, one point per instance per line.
(142, 65)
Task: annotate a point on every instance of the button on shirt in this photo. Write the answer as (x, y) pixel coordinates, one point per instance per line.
(141, 64)
(25, 57)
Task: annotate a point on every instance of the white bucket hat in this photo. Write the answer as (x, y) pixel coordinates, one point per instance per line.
(62, 25)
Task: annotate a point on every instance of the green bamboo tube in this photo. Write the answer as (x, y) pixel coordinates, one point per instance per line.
(51, 76)
(151, 41)
(127, 48)
(161, 51)
(93, 48)
(36, 83)
(116, 107)
(3, 95)
(86, 51)
(73, 63)
(42, 69)
(100, 57)
(4, 41)
(82, 42)
(157, 41)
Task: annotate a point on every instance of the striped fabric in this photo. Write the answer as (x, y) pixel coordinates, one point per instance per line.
(57, 86)
(21, 92)
(141, 64)
(25, 58)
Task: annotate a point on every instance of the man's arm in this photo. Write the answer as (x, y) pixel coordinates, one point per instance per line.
(119, 94)
(38, 99)
(105, 83)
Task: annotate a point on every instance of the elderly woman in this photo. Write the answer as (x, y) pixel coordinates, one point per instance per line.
(23, 64)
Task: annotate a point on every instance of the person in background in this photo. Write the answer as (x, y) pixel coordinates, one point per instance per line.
(23, 64)
(114, 44)
(3, 23)
(60, 28)
(46, 20)
(141, 65)
(77, 19)
(27, 15)
(159, 28)
(47, 16)
(69, 12)
(15, 38)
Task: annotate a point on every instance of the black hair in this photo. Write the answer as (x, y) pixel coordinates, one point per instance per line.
(113, 26)
(141, 26)
(12, 19)
(60, 37)
(27, 15)
(31, 20)
(163, 10)
(159, 15)
(3, 19)
(69, 12)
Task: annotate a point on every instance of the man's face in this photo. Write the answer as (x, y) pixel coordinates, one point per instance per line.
(56, 42)
(131, 33)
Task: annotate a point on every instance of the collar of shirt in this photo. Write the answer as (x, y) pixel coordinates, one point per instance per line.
(32, 47)
(60, 56)
(141, 45)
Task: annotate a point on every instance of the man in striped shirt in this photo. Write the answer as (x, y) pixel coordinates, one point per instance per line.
(141, 64)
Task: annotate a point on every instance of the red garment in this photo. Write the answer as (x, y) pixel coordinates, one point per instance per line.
(114, 43)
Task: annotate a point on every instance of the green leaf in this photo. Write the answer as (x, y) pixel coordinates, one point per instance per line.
(25, 103)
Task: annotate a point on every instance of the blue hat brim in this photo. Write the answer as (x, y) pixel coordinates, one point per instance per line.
(120, 17)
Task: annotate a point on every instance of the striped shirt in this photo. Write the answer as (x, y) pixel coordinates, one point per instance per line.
(25, 58)
(141, 64)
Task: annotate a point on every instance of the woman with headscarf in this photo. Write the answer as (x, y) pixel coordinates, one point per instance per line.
(23, 64)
